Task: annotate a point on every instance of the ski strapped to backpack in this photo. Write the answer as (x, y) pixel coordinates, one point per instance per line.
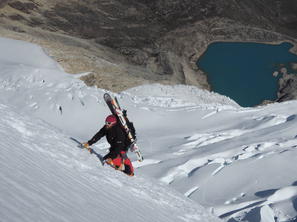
(117, 111)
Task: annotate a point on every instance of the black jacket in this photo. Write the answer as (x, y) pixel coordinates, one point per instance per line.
(115, 136)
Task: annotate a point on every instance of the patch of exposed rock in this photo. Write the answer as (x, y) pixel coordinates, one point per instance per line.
(287, 86)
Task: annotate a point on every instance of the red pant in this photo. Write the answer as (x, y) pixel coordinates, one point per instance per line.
(123, 158)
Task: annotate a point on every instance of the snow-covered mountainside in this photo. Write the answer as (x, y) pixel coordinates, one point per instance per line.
(200, 148)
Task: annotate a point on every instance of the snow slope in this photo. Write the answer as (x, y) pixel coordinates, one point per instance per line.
(199, 148)
(44, 176)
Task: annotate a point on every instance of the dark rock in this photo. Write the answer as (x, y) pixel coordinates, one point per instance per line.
(287, 88)
(17, 17)
(3, 3)
(17, 29)
(23, 6)
(35, 22)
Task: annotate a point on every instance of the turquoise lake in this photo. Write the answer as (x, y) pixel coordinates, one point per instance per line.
(243, 71)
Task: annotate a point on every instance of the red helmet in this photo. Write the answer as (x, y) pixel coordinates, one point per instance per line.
(111, 119)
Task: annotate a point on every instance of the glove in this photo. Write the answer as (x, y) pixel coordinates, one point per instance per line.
(86, 145)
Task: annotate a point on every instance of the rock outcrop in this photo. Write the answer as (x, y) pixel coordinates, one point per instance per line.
(287, 88)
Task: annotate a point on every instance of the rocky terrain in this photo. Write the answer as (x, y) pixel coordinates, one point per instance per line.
(288, 85)
(124, 43)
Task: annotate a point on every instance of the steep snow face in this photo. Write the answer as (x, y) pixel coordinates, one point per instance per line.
(237, 162)
(45, 177)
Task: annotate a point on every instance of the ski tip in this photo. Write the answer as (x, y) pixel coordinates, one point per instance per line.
(106, 95)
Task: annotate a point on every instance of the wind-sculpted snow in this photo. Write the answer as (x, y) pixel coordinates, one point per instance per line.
(239, 163)
(225, 169)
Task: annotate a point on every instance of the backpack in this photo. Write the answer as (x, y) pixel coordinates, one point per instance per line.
(131, 129)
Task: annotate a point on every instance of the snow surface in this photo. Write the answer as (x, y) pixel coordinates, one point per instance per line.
(200, 148)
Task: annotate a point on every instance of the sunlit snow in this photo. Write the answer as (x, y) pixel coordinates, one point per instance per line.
(205, 156)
